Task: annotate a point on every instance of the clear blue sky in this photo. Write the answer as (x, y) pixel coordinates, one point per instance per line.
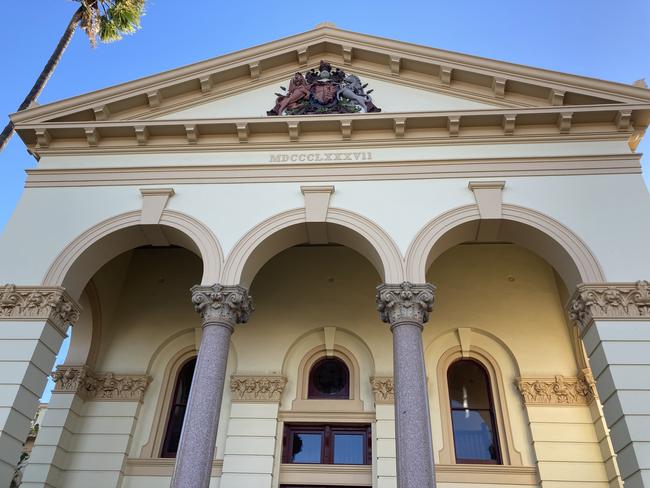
(599, 38)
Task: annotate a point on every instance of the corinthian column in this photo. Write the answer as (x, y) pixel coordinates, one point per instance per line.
(406, 308)
(221, 308)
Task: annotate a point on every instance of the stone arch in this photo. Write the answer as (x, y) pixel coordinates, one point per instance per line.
(550, 239)
(289, 228)
(82, 257)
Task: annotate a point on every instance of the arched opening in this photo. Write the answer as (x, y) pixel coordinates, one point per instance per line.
(289, 229)
(177, 408)
(476, 439)
(559, 246)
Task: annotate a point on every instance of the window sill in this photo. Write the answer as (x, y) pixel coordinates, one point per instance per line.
(160, 467)
(487, 474)
(326, 474)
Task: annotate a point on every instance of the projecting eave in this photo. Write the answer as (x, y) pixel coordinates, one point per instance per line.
(498, 83)
(621, 121)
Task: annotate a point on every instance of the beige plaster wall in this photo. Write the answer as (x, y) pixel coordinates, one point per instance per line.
(505, 294)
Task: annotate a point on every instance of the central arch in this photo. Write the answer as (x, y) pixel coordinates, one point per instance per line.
(289, 229)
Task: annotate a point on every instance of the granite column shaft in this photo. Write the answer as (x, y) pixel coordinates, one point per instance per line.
(406, 307)
(221, 308)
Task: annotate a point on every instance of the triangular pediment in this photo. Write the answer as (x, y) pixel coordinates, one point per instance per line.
(440, 80)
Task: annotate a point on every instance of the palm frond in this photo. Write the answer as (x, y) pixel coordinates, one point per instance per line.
(109, 20)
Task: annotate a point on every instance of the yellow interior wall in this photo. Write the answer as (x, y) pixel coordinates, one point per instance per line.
(505, 293)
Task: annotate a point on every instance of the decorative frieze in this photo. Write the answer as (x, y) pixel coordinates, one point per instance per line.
(99, 386)
(610, 301)
(558, 390)
(224, 304)
(383, 388)
(38, 303)
(405, 302)
(257, 388)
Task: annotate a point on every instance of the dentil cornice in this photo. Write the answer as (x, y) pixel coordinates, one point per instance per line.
(610, 301)
(39, 303)
(558, 390)
(223, 304)
(257, 388)
(383, 388)
(405, 302)
(99, 386)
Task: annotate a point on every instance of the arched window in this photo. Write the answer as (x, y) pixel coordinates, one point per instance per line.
(329, 378)
(472, 414)
(177, 409)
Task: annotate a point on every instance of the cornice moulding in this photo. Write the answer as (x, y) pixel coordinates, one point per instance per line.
(100, 386)
(424, 127)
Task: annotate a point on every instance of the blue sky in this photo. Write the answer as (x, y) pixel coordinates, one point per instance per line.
(598, 38)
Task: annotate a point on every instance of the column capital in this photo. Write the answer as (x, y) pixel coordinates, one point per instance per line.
(405, 302)
(609, 301)
(229, 305)
(50, 303)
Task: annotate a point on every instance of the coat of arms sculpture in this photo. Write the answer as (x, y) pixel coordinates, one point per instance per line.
(324, 91)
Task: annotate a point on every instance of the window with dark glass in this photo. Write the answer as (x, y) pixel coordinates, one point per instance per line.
(177, 409)
(329, 378)
(326, 444)
(472, 414)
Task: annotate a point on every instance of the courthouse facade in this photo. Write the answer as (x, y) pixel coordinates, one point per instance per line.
(411, 267)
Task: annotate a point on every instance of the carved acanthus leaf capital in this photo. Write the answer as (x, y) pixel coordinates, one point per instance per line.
(405, 302)
(558, 390)
(257, 388)
(39, 303)
(383, 389)
(99, 386)
(225, 304)
(610, 301)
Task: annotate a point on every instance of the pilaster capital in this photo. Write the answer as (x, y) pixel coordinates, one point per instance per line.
(405, 302)
(559, 390)
(609, 301)
(39, 303)
(100, 386)
(383, 387)
(246, 388)
(229, 305)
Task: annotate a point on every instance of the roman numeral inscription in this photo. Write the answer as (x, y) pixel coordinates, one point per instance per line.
(320, 157)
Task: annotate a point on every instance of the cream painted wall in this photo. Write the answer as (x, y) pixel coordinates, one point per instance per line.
(390, 97)
(596, 208)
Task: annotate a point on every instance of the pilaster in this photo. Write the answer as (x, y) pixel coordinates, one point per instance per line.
(250, 453)
(33, 324)
(614, 322)
(80, 395)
